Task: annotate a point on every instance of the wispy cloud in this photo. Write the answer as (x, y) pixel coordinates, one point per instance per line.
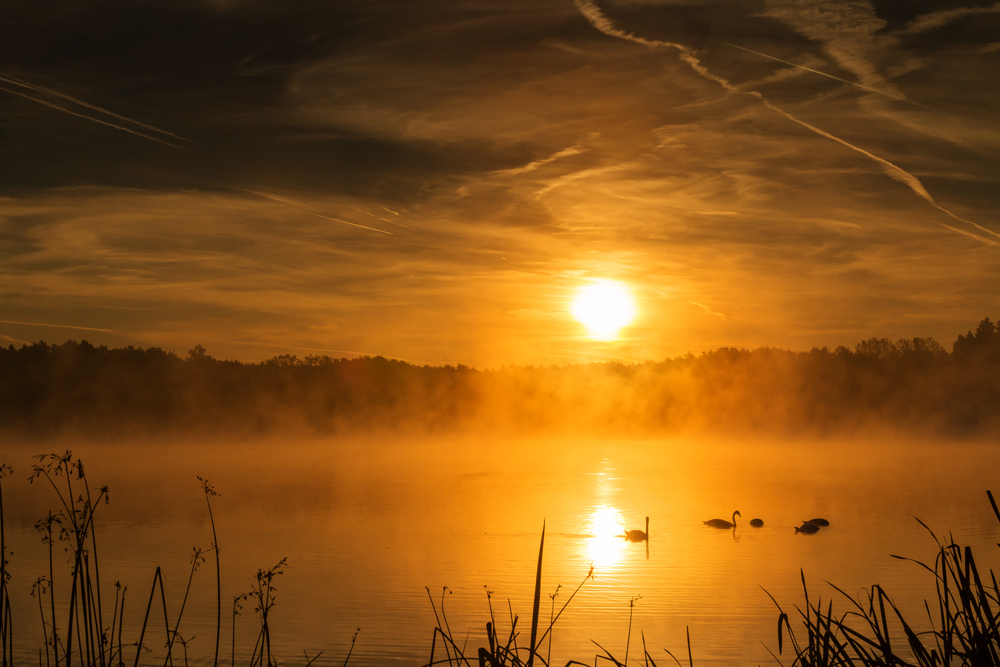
(883, 92)
(602, 23)
(531, 166)
(938, 19)
(306, 207)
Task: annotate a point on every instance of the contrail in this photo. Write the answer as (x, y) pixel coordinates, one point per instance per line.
(91, 118)
(391, 222)
(292, 202)
(58, 326)
(898, 98)
(597, 18)
(39, 89)
(353, 224)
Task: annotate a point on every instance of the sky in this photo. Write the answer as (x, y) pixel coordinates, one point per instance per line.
(434, 180)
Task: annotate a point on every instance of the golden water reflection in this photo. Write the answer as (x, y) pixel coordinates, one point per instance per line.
(606, 543)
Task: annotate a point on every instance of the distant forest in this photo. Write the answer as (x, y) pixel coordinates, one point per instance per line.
(913, 385)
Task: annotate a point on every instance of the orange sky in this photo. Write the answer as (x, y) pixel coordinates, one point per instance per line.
(433, 181)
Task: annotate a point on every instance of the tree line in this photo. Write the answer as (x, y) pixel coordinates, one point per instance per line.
(909, 384)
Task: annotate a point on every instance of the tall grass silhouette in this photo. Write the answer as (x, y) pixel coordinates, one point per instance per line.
(964, 620)
(82, 636)
(6, 621)
(501, 653)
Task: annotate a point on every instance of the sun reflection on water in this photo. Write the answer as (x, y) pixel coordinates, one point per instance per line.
(606, 543)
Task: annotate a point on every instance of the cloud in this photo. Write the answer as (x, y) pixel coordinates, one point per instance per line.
(597, 18)
(849, 30)
(512, 151)
(531, 166)
(885, 93)
(933, 20)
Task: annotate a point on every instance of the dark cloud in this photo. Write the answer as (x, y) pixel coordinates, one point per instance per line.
(433, 179)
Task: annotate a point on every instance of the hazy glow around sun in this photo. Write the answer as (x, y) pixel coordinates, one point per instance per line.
(604, 307)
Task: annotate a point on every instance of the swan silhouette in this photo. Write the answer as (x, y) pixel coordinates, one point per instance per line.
(638, 535)
(819, 522)
(756, 523)
(807, 528)
(722, 523)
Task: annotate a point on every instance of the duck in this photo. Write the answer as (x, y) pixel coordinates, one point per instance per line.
(722, 523)
(819, 522)
(757, 523)
(638, 535)
(807, 528)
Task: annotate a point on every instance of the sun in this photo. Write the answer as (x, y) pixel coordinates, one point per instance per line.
(604, 307)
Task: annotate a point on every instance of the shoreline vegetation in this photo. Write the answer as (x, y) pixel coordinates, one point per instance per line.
(910, 386)
(963, 622)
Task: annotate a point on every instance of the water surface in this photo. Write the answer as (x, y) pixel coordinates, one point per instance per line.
(366, 525)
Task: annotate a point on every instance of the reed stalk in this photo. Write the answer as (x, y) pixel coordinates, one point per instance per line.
(209, 491)
(196, 560)
(6, 622)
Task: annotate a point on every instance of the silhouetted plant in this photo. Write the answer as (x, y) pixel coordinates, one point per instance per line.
(238, 601)
(262, 593)
(6, 621)
(497, 655)
(76, 524)
(966, 630)
(209, 491)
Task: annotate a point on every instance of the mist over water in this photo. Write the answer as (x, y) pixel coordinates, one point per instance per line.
(367, 523)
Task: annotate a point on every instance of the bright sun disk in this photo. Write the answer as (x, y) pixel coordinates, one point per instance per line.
(604, 307)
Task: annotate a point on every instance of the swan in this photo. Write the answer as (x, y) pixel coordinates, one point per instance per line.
(722, 523)
(819, 522)
(807, 528)
(638, 535)
(756, 523)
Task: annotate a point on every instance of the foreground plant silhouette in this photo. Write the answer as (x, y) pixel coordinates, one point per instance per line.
(95, 644)
(965, 625)
(499, 654)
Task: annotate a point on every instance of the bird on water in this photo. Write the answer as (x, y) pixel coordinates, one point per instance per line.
(722, 523)
(756, 523)
(638, 535)
(807, 528)
(819, 522)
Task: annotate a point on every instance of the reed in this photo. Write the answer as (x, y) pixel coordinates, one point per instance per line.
(6, 622)
(964, 621)
(82, 635)
(75, 525)
(263, 595)
(507, 654)
(209, 491)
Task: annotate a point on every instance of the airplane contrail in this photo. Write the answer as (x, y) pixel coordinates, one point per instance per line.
(898, 98)
(353, 224)
(91, 118)
(391, 222)
(39, 89)
(58, 326)
(597, 18)
(292, 202)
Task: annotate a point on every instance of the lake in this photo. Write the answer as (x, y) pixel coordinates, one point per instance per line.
(367, 524)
